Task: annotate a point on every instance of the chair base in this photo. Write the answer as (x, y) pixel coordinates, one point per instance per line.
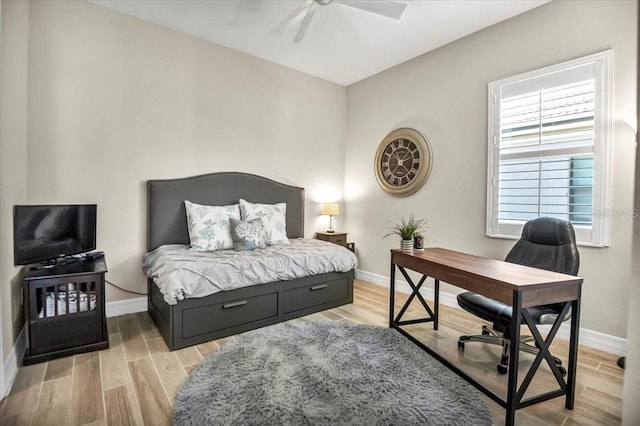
(491, 336)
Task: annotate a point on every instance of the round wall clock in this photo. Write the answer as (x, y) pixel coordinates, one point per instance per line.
(403, 162)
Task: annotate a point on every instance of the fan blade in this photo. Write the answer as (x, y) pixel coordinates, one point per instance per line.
(306, 22)
(295, 16)
(390, 9)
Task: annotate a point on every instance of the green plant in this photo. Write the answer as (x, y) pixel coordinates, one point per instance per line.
(407, 227)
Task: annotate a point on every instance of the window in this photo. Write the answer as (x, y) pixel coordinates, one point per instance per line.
(549, 148)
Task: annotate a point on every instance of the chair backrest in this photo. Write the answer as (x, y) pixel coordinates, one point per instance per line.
(547, 243)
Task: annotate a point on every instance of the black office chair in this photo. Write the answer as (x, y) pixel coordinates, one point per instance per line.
(546, 243)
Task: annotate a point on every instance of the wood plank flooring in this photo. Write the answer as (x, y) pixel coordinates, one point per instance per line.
(135, 381)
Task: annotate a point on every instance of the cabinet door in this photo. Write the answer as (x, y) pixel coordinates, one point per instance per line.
(53, 334)
(65, 312)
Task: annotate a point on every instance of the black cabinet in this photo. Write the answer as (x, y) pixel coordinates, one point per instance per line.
(65, 310)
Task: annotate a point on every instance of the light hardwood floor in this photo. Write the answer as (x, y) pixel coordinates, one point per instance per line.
(136, 379)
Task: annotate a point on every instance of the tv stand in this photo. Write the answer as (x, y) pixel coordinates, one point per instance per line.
(65, 309)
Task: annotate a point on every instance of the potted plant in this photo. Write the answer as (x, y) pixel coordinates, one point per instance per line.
(406, 228)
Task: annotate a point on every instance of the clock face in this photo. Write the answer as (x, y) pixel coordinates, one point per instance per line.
(400, 162)
(403, 162)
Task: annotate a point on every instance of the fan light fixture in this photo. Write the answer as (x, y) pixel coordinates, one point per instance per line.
(391, 9)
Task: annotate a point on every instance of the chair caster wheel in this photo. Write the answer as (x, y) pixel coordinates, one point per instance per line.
(502, 369)
(461, 345)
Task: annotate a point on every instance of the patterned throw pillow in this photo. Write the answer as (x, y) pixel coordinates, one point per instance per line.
(209, 228)
(274, 220)
(247, 235)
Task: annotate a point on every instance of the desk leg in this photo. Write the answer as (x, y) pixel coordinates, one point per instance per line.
(514, 351)
(436, 303)
(392, 293)
(573, 352)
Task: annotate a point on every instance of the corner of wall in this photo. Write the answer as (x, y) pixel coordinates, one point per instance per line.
(14, 48)
(13, 361)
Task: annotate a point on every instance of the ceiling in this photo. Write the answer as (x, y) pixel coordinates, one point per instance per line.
(342, 44)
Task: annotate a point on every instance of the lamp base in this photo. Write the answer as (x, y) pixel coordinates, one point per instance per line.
(330, 231)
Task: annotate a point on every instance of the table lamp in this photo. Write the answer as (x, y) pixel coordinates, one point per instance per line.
(330, 209)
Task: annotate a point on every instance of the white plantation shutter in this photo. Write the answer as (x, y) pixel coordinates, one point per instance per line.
(549, 148)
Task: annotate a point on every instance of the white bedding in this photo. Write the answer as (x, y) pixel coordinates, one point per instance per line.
(182, 273)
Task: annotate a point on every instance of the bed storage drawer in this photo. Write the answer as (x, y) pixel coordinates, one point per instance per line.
(314, 294)
(200, 320)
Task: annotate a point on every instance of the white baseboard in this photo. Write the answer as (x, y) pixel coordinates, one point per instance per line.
(14, 361)
(593, 339)
(128, 306)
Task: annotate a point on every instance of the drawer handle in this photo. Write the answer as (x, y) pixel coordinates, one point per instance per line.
(318, 287)
(234, 304)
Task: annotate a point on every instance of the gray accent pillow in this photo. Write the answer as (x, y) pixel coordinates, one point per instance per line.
(247, 234)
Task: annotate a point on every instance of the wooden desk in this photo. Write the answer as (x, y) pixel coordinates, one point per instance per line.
(516, 285)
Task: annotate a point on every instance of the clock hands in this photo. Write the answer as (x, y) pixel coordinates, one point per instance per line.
(399, 164)
(402, 156)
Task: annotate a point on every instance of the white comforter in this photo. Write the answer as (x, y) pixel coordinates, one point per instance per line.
(183, 273)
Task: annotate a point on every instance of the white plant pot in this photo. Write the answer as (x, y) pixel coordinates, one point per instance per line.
(406, 246)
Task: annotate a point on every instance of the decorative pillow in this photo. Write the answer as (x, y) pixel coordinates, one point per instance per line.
(247, 235)
(209, 228)
(274, 220)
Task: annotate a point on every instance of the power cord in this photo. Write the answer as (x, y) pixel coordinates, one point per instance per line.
(126, 291)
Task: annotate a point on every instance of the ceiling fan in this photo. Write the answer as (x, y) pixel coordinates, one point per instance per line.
(389, 8)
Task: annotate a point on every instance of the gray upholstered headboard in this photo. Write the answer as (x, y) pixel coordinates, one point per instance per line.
(167, 220)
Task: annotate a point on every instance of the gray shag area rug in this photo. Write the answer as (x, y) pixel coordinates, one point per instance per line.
(326, 373)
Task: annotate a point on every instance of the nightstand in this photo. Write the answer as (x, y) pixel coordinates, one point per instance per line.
(339, 238)
(333, 237)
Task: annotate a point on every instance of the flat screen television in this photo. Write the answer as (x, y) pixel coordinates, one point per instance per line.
(47, 233)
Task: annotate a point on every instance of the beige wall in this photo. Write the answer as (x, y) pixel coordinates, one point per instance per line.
(114, 101)
(13, 158)
(444, 95)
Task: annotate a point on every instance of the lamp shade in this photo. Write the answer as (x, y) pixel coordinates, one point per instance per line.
(331, 209)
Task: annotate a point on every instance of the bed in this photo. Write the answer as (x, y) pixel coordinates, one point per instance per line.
(196, 320)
